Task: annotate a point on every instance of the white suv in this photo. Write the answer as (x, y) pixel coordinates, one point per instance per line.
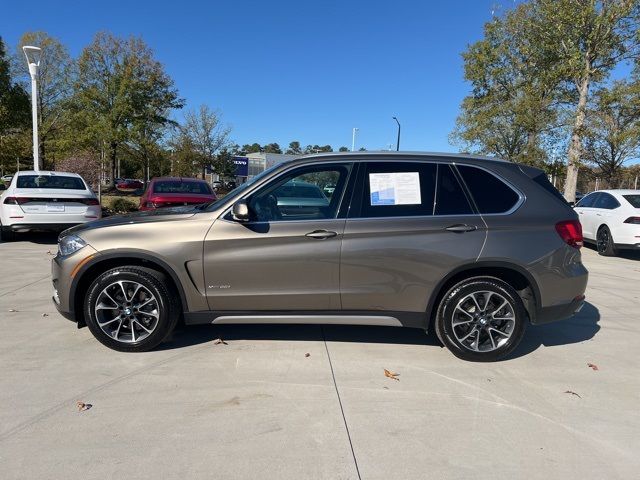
(46, 201)
(611, 220)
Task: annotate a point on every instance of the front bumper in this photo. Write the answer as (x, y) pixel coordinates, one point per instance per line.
(63, 271)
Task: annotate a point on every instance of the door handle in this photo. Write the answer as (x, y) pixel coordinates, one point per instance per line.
(321, 234)
(461, 228)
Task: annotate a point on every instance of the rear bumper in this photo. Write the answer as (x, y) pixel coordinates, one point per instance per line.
(558, 312)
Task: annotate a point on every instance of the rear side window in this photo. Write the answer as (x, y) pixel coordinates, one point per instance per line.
(607, 202)
(588, 201)
(450, 196)
(490, 193)
(634, 200)
(51, 182)
(398, 189)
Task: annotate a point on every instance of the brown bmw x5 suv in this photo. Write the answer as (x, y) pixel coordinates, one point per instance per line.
(473, 248)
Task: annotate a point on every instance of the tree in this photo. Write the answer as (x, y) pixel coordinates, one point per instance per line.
(86, 164)
(272, 148)
(205, 133)
(343, 149)
(580, 42)
(14, 115)
(56, 74)
(510, 112)
(252, 148)
(116, 79)
(294, 148)
(317, 149)
(613, 128)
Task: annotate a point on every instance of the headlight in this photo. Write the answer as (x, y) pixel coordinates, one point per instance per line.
(70, 244)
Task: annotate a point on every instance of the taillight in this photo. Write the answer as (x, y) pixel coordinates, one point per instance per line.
(632, 220)
(91, 201)
(571, 232)
(16, 200)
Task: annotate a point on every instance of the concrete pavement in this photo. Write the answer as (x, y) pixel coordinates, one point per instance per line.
(259, 408)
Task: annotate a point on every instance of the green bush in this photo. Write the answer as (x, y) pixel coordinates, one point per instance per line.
(123, 205)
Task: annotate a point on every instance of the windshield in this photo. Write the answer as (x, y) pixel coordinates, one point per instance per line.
(633, 200)
(176, 186)
(50, 181)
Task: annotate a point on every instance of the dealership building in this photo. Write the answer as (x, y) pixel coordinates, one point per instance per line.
(250, 165)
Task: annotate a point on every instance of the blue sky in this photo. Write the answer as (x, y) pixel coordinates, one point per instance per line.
(283, 70)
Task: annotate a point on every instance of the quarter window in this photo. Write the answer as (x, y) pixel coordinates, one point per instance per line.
(490, 193)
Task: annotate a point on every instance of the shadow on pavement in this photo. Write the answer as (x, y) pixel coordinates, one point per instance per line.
(582, 327)
(628, 254)
(193, 335)
(43, 238)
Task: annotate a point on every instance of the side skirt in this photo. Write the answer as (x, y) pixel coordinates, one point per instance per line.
(329, 317)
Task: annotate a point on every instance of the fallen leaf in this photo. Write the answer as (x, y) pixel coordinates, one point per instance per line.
(13, 310)
(219, 341)
(45, 314)
(391, 375)
(49, 252)
(386, 388)
(593, 366)
(307, 355)
(573, 393)
(83, 406)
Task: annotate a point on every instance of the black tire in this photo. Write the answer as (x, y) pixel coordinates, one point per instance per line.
(165, 300)
(490, 345)
(7, 235)
(604, 242)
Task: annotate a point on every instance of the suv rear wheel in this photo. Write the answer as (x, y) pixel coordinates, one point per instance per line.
(131, 309)
(481, 319)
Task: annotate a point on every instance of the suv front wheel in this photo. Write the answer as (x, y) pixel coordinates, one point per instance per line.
(481, 319)
(131, 309)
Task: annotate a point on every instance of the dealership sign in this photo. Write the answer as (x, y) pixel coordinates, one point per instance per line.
(242, 166)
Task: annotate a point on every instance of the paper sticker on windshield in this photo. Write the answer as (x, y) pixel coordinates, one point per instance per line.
(398, 188)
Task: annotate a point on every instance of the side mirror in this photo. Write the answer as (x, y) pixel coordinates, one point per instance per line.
(240, 211)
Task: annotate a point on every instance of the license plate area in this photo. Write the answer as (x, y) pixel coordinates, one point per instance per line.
(55, 208)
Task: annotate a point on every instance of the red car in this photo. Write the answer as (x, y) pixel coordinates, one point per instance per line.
(175, 192)
(129, 185)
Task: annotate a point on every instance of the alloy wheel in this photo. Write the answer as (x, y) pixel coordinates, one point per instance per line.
(127, 311)
(603, 240)
(483, 321)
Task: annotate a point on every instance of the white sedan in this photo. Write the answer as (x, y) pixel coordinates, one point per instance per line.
(46, 201)
(611, 220)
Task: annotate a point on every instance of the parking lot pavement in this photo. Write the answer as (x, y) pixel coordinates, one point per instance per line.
(258, 407)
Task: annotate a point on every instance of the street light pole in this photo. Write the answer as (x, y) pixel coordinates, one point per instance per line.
(398, 142)
(353, 139)
(33, 60)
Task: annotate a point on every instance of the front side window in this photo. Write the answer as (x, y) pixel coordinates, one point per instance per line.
(307, 193)
(490, 193)
(398, 189)
(61, 182)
